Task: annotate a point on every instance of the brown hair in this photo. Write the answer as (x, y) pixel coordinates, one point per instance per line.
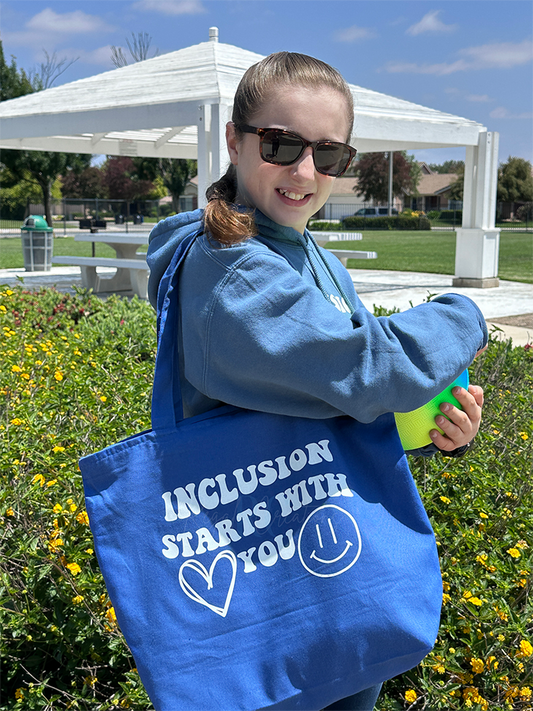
(221, 221)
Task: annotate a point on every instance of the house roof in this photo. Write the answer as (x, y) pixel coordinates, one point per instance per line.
(151, 108)
(435, 183)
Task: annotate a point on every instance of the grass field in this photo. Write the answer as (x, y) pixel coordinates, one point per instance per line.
(435, 252)
(401, 251)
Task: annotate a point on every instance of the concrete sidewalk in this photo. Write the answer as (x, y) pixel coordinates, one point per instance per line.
(501, 306)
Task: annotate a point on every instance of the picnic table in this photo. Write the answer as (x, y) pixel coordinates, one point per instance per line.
(132, 269)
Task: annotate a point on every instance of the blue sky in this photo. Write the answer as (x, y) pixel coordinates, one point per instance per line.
(471, 58)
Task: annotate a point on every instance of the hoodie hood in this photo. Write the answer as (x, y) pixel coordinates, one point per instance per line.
(163, 241)
(168, 233)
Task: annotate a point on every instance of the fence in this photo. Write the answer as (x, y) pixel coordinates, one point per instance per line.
(118, 214)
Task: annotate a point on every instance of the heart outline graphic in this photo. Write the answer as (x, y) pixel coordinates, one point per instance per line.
(208, 577)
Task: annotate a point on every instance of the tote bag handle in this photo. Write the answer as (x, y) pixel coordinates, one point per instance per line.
(167, 403)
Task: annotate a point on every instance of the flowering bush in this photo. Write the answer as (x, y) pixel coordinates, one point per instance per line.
(76, 376)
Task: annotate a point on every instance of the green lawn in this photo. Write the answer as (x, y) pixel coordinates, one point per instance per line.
(11, 250)
(400, 251)
(435, 252)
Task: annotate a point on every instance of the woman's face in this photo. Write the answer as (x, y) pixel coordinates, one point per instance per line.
(289, 194)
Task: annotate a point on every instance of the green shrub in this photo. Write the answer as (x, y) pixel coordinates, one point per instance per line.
(76, 376)
(451, 216)
(433, 215)
(400, 222)
(323, 226)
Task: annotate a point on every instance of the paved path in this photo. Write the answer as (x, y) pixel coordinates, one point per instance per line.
(382, 288)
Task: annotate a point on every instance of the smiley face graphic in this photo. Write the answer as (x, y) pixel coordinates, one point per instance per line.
(329, 542)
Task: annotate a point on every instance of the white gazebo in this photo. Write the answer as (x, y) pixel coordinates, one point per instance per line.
(176, 106)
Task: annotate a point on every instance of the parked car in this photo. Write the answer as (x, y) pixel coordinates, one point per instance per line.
(375, 212)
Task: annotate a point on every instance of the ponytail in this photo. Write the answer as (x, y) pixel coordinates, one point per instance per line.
(222, 221)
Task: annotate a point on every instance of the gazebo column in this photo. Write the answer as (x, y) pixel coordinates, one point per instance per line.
(478, 241)
(212, 151)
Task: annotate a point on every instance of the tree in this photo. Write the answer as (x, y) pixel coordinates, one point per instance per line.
(449, 166)
(372, 170)
(37, 168)
(174, 172)
(46, 74)
(87, 183)
(515, 182)
(138, 47)
(13, 82)
(123, 181)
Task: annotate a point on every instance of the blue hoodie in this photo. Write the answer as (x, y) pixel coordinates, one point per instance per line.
(274, 324)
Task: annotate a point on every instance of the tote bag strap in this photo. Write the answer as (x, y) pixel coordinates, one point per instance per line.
(167, 403)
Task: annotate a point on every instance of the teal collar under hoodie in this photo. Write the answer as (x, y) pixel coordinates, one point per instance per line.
(274, 324)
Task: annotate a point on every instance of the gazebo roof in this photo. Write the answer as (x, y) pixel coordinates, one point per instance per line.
(151, 108)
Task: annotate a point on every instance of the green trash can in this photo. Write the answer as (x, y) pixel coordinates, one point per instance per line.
(37, 244)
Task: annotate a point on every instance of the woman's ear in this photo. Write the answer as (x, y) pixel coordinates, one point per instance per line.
(232, 143)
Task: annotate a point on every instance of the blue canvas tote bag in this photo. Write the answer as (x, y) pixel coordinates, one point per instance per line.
(260, 561)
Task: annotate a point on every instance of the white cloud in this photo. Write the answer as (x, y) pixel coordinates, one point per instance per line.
(502, 113)
(478, 98)
(504, 55)
(354, 33)
(437, 69)
(49, 27)
(77, 22)
(171, 7)
(430, 23)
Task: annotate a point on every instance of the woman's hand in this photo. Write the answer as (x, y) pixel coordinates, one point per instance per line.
(459, 426)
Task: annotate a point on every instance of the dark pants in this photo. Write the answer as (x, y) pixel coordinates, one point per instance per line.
(363, 701)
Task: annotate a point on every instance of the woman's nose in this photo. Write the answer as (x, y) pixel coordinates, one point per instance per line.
(304, 167)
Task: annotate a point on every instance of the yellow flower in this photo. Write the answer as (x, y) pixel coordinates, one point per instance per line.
(522, 544)
(514, 552)
(10, 512)
(57, 448)
(446, 598)
(51, 483)
(58, 375)
(492, 663)
(410, 696)
(57, 508)
(39, 478)
(77, 600)
(83, 518)
(16, 369)
(483, 515)
(477, 665)
(525, 693)
(19, 693)
(16, 421)
(444, 499)
(74, 568)
(110, 614)
(103, 398)
(524, 435)
(476, 601)
(90, 680)
(526, 650)
(89, 551)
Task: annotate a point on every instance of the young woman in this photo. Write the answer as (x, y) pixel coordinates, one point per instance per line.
(269, 320)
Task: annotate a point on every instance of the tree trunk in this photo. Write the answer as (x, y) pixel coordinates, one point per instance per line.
(46, 189)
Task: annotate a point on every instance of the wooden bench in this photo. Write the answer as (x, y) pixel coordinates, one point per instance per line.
(131, 274)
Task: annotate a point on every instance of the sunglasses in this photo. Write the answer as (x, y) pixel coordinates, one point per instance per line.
(285, 148)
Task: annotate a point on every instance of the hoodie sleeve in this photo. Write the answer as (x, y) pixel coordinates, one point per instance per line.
(266, 340)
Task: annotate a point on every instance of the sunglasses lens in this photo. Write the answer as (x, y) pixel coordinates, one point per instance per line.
(284, 148)
(281, 148)
(331, 158)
